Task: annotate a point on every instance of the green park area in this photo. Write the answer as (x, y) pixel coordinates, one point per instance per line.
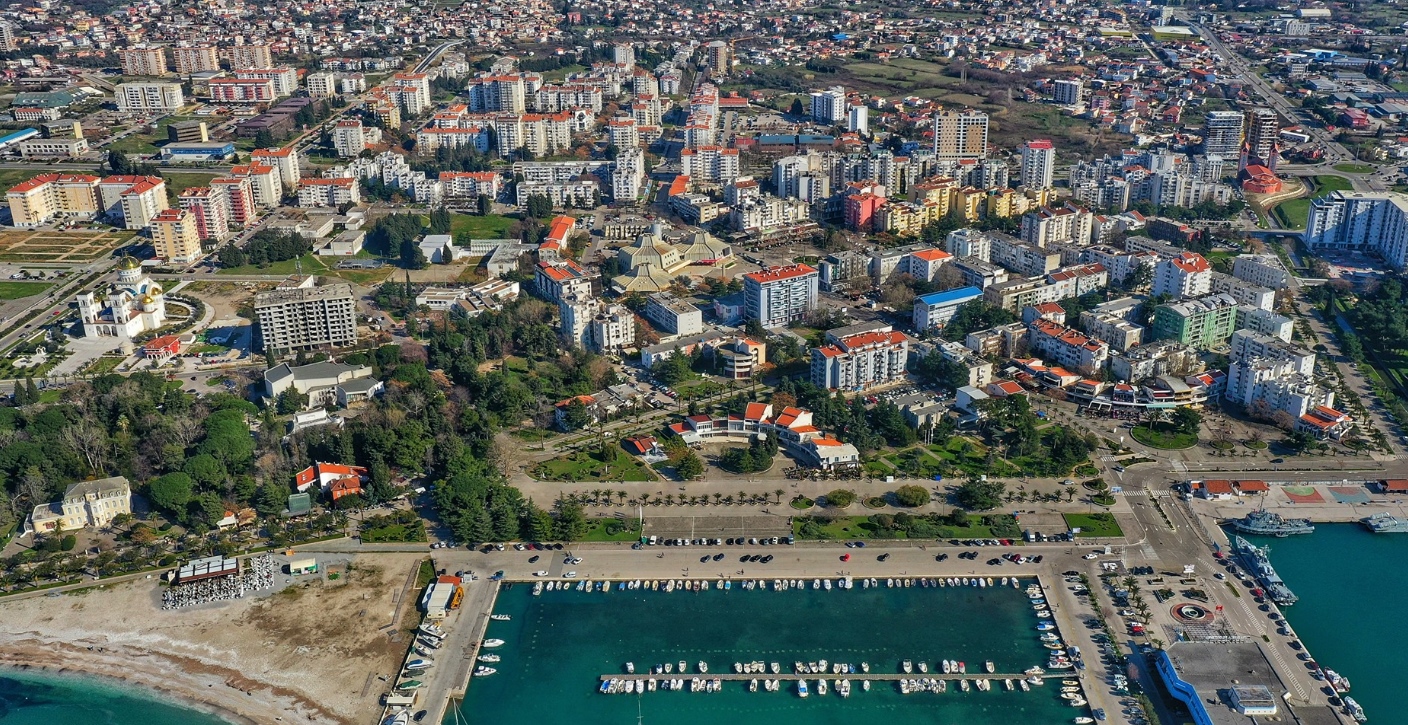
(907, 526)
(1355, 168)
(593, 466)
(612, 530)
(1164, 436)
(403, 525)
(1094, 525)
(492, 226)
(313, 264)
(20, 290)
(1293, 213)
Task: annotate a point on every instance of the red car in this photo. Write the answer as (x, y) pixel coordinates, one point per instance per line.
(845, 557)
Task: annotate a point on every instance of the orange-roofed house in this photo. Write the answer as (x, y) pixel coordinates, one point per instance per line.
(558, 233)
(1325, 422)
(1251, 487)
(1005, 388)
(324, 475)
(925, 263)
(1215, 489)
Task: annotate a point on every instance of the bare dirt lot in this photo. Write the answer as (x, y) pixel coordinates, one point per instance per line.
(311, 652)
(59, 247)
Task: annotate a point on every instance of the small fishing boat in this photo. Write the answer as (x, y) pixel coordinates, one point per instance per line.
(488, 658)
(500, 617)
(801, 688)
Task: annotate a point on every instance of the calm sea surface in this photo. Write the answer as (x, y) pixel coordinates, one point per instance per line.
(1350, 583)
(35, 698)
(558, 645)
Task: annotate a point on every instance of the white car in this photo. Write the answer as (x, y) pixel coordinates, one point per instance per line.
(569, 575)
(540, 572)
(1091, 556)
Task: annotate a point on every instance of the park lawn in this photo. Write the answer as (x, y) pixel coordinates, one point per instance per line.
(308, 263)
(494, 226)
(1355, 168)
(394, 533)
(583, 466)
(1094, 525)
(103, 365)
(1163, 436)
(1293, 213)
(20, 290)
(623, 530)
(177, 182)
(860, 527)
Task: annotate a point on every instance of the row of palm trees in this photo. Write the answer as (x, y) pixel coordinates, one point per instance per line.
(1037, 496)
(610, 497)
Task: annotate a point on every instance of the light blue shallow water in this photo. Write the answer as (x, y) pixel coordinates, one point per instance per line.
(1351, 587)
(37, 698)
(557, 646)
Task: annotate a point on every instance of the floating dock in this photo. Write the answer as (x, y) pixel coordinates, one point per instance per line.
(872, 676)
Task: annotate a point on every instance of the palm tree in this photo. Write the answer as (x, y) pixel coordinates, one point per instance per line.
(718, 497)
(741, 496)
(669, 499)
(727, 499)
(1070, 493)
(621, 496)
(778, 493)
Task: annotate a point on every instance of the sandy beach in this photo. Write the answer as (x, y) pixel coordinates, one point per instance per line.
(309, 653)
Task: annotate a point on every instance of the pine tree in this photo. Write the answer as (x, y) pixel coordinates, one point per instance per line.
(31, 391)
(21, 395)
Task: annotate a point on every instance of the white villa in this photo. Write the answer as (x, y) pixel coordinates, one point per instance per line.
(793, 428)
(88, 504)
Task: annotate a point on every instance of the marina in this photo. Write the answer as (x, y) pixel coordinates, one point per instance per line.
(564, 649)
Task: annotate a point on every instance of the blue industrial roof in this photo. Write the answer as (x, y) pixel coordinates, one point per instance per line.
(962, 294)
(18, 136)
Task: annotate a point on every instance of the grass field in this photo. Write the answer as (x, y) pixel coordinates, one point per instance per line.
(1355, 168)
(1092, 525)
(313, 264)
(178, 182)
(613, 530)
(860, 527)
(1163, 436)
(59, 246)
(589, 467)
(1293, 213)
(493, 226)
(20, 290)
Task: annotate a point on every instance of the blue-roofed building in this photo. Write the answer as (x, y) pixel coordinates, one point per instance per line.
(935, 309)
(11, 139)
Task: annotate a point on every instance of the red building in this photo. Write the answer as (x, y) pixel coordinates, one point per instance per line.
(162, 347)
(1258, 179)
(860, 210)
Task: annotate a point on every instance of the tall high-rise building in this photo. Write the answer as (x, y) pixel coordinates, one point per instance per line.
(960, 135)
(858, 119)
(8, 40)
(829, 106)
(1361, 222)
(718, 57)
(1263, 136)
(175, 236)
(1038, 163)
(776, 296)
(322, 84)
(623, 54)
(1066, 92)
(195, 59)
(250, 56)
(143, 61)
(1222, 133)
(305, 317)
(149, 97)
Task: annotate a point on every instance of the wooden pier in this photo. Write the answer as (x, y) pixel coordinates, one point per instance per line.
(872, 676)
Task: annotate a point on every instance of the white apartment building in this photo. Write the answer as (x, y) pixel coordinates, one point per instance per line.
(250, 56)
(776, 296)
(322, 84)
(861, 361)
(285, 160)
(1058, 344)
(829, 106)
(149, 97)
(1038, 163)
(348, 138)
(1185, 276)
(1064, 225)
(960, 135)
(1265, 270)
(710, 164)
(1361, 221)
(613, 329)
(328, 192)
(283, 81)
(1066, 92)
(674, 315)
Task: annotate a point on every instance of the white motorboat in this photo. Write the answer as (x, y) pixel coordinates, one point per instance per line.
(492, 643)
(801, 688)
(630, 668)
(703, 667)
(865, 685)
(488, 658)
(484, 671)
(988, 665)
(923, 666)
(907, 667)
(500, 617)
(401, 717)
(821, 687)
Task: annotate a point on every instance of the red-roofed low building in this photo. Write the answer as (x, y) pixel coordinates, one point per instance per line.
(1325, 422)
(644, 446)
(1214, 489)
(162, 348)
(324, 475)
(1393, 485)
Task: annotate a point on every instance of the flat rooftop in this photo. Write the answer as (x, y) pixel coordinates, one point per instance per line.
(1213, 668)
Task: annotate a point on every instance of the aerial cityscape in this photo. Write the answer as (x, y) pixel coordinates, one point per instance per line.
(461, 362)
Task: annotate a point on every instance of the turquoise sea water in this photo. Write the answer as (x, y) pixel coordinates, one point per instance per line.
(1350, 585)
(36, 698)
(557, 645)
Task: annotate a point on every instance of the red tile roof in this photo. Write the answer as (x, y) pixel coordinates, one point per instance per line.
(777, 274)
